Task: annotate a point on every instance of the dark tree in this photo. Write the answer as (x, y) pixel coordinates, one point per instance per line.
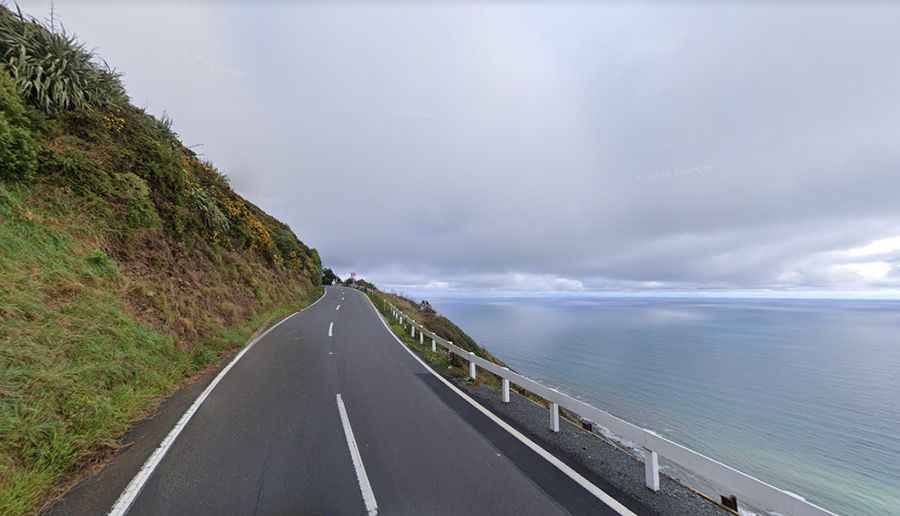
(329, 277)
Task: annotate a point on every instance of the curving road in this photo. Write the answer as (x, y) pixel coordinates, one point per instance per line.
(329, 414)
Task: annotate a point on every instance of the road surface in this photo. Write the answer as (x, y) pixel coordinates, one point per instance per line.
(329, 414)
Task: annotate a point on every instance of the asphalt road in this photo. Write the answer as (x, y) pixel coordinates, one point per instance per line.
(270, 438)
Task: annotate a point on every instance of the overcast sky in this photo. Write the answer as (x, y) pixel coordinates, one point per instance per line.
(539, 147)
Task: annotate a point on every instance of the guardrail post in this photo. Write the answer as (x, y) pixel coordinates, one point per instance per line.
(412, 329)
(421, 338)
(433, 345)
(651, 469)
(554, 417)
(505, 397)
(472, 366)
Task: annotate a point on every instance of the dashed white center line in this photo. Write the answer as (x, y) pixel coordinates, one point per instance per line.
(330, 328)
(364, 486)
(338, 307)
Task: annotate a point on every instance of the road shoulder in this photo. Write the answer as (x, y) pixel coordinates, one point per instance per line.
(96, 490)
(606, 464)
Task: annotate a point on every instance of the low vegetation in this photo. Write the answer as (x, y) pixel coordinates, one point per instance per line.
(127, 262)
(441, 325)
(448, 364)
(442, 361)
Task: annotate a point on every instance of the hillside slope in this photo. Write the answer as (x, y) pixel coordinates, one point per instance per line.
(127, 263)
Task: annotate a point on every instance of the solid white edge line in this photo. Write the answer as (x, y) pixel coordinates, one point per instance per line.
(330, 328)
(133, 489)
(364, 486)
(549, 457)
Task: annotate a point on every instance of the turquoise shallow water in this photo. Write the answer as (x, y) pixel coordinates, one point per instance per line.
(802, 394)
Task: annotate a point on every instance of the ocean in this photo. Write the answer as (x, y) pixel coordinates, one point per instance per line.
(803, 394)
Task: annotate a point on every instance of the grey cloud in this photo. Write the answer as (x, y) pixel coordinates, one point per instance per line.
(541, 146)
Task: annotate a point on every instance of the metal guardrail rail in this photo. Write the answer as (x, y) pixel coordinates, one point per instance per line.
(745, 487)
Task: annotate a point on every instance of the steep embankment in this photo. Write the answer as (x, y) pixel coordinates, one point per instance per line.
(440, 325)
(448, 365)
(127, 263)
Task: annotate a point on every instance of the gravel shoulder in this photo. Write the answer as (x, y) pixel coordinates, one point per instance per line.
(611, 467)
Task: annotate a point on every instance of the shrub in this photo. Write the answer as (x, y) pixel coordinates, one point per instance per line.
(329, 277)
(10, 103)
(52, 70)
(74, 168)
(287, 245)
(18, 153)
(134, 191)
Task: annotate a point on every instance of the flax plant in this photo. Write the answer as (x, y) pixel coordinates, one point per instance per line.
(52, 69)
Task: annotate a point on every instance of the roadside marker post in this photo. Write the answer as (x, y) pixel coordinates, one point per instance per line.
(506, 388)
(651, 469)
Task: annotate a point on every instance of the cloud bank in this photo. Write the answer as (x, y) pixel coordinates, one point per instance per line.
(543, 147)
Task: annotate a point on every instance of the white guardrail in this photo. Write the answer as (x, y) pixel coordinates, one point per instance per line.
(745, 487)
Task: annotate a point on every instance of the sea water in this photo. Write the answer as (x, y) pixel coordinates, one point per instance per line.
(803, 394)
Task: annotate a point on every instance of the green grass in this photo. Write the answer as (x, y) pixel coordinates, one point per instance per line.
(76, 368)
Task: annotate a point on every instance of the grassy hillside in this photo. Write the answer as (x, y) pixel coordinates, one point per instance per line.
(127, 263)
